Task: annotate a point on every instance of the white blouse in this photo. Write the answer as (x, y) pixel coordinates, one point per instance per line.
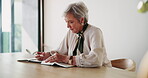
(94, 53)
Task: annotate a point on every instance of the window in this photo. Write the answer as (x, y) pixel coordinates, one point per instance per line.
(19, 25)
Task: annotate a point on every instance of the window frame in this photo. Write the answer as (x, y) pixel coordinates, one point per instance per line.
(40, 26)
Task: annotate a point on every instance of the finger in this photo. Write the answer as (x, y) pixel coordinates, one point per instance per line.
(50, 59)
(39, 52)
(37, 56)
(43, 53)
(47, 60)
(40, 58)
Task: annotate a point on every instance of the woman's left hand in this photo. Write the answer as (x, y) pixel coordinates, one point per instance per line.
(56, 57)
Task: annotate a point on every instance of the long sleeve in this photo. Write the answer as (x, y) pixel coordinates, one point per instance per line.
(95, 54)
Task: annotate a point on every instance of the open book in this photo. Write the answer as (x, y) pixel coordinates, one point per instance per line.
(34, 60)
(57, 64)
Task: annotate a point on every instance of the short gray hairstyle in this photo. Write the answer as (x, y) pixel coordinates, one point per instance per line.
(79, 10)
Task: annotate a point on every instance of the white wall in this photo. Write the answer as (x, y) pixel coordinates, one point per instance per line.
(30, 25)
(125, 30)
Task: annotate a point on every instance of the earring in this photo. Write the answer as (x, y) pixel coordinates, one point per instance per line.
(82, 24)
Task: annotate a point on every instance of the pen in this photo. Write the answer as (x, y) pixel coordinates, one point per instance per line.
(34, 53)
(28, 51)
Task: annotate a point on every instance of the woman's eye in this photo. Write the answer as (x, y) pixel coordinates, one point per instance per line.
(71, 22)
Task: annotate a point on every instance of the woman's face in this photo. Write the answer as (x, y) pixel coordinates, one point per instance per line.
(73, 24)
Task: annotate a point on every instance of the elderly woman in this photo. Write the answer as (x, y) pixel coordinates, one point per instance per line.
(83, 45)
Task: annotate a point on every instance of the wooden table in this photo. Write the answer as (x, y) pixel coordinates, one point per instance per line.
(10, 68)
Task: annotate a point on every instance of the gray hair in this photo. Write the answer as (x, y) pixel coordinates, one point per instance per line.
(78, 10)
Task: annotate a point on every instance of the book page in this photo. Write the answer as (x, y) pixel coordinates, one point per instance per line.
(29, 60)
(58, 64)
(34, 60)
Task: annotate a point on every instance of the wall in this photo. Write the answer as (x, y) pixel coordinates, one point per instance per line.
(125, 30)
(30, 25)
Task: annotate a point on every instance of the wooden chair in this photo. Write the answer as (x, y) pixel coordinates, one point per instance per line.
(126, 64)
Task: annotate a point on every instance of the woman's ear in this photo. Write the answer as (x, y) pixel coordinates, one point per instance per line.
(82, 20)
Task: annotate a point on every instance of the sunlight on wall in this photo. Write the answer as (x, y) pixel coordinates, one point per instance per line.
(6, 16)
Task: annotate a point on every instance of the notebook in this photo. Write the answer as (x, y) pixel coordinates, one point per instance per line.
(56, 64)
(34, 60)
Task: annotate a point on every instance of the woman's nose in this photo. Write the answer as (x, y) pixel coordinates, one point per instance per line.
(68, 26)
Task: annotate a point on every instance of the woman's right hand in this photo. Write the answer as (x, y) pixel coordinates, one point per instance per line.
(42, 55)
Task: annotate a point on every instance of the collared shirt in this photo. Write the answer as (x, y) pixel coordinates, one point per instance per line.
(94, 53)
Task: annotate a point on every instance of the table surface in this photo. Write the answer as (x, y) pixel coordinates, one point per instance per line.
(11, 68)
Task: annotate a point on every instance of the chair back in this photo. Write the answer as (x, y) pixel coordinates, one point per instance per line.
(126, 64)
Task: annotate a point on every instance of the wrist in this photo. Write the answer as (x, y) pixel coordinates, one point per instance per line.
(70, 60)
(74, 60)
(67, 59)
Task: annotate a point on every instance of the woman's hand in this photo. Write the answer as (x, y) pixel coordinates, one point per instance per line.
(58, 58)
(42, 55)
